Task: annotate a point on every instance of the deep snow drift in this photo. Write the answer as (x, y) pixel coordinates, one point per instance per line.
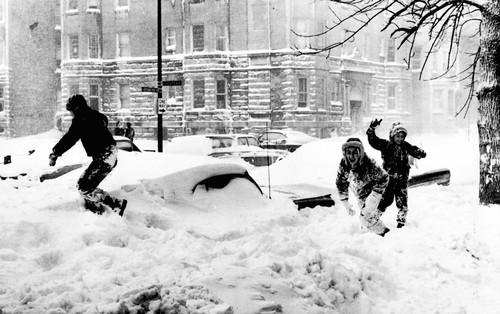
(232, 250)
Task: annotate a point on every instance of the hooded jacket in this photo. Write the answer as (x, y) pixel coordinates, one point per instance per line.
(89, 126)
(394, 156)
(365, 176)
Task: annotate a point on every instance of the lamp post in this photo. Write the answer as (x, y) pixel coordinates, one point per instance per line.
(160, 94)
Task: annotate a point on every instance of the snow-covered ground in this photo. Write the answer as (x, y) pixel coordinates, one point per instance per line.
(232, 250)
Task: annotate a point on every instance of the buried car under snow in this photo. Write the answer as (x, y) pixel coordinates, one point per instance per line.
(244, 146)
(285, 139)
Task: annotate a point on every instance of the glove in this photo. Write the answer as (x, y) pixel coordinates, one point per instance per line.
(421, 153)
(375, 123)
(52, 159)
(348, 207)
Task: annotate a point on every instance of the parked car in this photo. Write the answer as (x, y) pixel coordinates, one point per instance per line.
(284, 139)
(124, 143)
(244, 146)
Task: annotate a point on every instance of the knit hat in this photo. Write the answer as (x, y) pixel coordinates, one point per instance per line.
(353, 142)
(75, 102)
(396, 128)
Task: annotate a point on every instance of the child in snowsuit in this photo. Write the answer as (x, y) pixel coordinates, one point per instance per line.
(91, 127)
(395, 152)
(368, 181)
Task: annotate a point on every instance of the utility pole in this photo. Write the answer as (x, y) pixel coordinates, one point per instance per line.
(160, 86)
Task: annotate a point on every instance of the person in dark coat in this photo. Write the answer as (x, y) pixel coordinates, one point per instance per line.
(130, 132)
(395, 155)
(91, 127)
(368, 182)
(119, 131)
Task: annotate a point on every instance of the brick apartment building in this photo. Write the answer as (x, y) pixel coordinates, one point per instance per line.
(233, 58)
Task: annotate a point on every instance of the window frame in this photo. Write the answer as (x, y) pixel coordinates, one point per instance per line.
(71, 53)
(391, 96)
(194, 40)
(121, 93)
(391, 50)
(221, 37)
(221, 96)
(170, 40)
(119, 45)
(93, 48)
(94, 97)
(195, 94)
(302, 99)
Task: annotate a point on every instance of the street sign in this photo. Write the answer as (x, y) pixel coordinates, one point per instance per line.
(162, 105)
(149, 89)
(172, 83)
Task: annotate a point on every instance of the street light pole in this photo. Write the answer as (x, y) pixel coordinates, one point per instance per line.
(160, 94)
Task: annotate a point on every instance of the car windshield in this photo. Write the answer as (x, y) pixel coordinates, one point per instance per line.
(248, 141)
(271, 136)
(124, 145)
(221, 142)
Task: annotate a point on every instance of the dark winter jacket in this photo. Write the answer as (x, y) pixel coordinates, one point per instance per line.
(91, 127)
(365, 178)
(395, 157)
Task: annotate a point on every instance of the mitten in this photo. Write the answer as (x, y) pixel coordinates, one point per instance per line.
(375, 123)
(348, 207)
(371, 203)
(52, 159)
(421, 153)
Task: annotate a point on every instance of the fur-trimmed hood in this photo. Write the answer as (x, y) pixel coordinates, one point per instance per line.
(354, 142)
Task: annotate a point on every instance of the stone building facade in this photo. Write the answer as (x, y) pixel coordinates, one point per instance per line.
(238, 63)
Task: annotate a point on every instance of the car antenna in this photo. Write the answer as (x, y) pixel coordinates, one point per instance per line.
(268, 163)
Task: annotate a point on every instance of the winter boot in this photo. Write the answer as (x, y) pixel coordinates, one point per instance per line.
(384, 232)
(121, 206)
(96, 208)
(115, 204)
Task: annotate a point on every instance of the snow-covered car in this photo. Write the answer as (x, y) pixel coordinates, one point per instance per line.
(124, 143)
(244, 146)
(286, 139)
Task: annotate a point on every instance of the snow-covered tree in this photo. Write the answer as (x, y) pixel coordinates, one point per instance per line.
(444, 24)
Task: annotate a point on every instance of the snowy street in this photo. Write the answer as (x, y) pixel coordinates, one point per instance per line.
(232, 250)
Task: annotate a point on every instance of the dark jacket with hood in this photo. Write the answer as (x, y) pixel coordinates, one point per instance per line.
(394, 156)
(365, 176)
(89, 126)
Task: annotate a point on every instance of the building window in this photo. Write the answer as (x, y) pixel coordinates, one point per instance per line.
(170, 40)
(93, 4)
(124, 96)
(122, 3)
(198, 37)
(391, 50)
(302, 92)
(321, 39)
(321, 94)
(221, 94)
(2, 100)
(391, 97)
(301, 29)
(72, 5)
(196, 1)
(199, 94)
(73, 46)
(123, 44)
(221, 37)
(94, 96)
(74, 89)
(93, 46)
(335, 92)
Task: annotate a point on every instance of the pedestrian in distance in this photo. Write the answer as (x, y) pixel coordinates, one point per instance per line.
(395, 155)
(119, 131)
(130, 132)
(368, 182)
(91, 127)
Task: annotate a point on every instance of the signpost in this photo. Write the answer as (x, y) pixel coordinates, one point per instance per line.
(172, 83)
(162, 106)
(149, 89)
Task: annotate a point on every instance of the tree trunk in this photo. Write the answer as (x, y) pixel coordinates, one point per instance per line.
(489, 107)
